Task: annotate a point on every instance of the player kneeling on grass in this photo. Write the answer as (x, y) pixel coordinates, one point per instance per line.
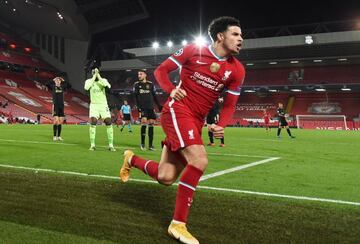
(99, 108)
(205, 72)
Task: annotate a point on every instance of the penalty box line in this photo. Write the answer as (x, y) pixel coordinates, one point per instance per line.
(237, 168)
(314, 199)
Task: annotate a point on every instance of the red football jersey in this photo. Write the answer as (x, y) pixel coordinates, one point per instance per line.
(267, 115)
(204, 75)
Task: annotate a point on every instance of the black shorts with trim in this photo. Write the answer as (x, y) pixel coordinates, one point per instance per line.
(211, 119)
(148, 113)
(127, 117)
(58, 111)
(283, 122)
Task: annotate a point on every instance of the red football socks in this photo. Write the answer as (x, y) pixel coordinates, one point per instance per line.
(149, 167)
(187, 185)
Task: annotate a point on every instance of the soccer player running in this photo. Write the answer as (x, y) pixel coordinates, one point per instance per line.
(282, 121)
(266, 116)
(99, 108)
(126, 115)
(204, 73)
(213, 118)
(57, 87)
(145, 96)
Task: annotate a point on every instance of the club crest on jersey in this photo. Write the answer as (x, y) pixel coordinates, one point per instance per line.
(214, 67)
(179, 52)
(191, 134)
(226, 75)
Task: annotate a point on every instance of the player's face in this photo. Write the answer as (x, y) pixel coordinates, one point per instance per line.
(57, 82)
(141, 76)
(232, 39)
(280, 105)
(125, 102)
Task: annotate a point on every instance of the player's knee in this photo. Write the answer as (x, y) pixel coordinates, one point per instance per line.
(93, 121)
(165, 179)
(107, 121)
(200, 163)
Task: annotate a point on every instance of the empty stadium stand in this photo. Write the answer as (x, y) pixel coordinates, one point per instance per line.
(341, 74)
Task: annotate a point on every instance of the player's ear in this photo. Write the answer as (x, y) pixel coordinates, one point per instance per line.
(220, 36)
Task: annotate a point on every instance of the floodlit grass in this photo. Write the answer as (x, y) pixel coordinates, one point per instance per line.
(53, 207)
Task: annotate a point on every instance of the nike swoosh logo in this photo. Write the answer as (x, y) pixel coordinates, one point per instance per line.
(198, 62)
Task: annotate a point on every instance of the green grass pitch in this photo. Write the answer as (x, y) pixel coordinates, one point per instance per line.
(303, 190)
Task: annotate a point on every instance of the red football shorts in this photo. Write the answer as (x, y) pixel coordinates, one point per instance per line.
(182, 129)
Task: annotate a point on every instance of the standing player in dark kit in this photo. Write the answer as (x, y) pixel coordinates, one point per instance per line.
(57, 88)
(205, 72)
(213, 118)
(282, 121)
(145, 97)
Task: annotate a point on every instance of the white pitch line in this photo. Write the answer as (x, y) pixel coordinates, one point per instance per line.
(237, 168)
(314, 199)
(40, 142)
(260, 139)
(238, 155)
(54, 143)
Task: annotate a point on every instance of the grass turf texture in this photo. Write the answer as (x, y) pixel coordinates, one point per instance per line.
(57, 208)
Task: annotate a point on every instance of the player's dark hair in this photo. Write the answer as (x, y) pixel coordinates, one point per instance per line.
(143, 71)
(220, 25)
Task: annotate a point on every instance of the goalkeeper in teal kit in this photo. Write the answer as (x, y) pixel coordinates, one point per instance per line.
(98, 107)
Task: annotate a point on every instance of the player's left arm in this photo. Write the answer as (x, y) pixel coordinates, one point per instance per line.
(233, 93)
(104, 82)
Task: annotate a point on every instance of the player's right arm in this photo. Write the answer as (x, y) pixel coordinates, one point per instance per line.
(281, 113)
(121, 111)
(174, 62)
(136, 95)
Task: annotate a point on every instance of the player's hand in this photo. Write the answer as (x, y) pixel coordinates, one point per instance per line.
(218, 131)
(96, 71)
(178, 94)
(58, 78)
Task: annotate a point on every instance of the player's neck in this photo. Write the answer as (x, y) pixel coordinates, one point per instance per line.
(219, 50)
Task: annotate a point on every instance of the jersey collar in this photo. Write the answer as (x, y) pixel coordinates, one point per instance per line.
(211, 49)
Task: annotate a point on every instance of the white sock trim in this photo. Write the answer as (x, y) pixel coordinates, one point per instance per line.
(146, 166)
(129, 160)
(187, 185)
(177, 222)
